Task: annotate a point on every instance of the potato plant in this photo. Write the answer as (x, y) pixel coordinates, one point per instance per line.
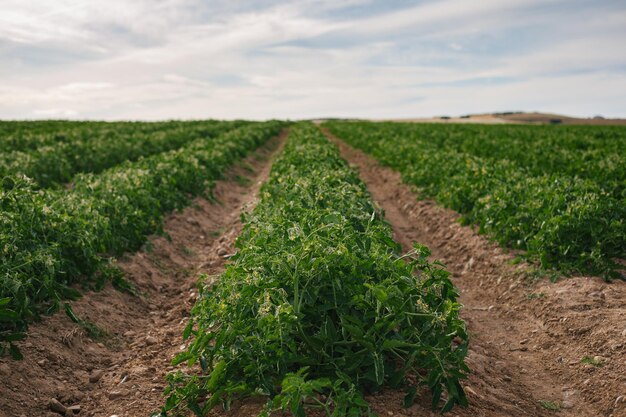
(318, 308)
(23, 136)
(51, 239)
(566, 210)
(93, 150)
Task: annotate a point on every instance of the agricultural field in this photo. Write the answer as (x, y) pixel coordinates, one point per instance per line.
(217, 268)
(51, 239)
(557, 193)
(53, 157)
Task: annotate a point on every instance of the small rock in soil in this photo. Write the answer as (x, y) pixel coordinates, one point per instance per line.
(75, 409)
(95, 376)
(113, 395)
(151, 340)
(4, 369)
(56, 406)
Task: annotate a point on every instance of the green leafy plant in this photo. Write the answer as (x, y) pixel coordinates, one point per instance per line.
(534, 295)
(318, 308)
(555, 192)
(550, 405)
(93, 148)
(51, 239)
(590, 360)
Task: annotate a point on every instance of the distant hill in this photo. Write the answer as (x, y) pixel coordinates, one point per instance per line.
(547, 118)
(518, 117)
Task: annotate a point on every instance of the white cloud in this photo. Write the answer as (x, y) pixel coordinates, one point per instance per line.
(55, 113)
(189, 58)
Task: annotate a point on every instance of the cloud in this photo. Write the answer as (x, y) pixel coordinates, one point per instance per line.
(56, 113)
(308, 58)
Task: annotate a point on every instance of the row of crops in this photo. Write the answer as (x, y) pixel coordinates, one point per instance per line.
(53, 238)
(318, 308)
(55, 156)
(26, 136)
(20, 136)
(557, 193)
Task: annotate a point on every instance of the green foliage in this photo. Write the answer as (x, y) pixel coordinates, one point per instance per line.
(534, 295)
(556, 193)
(58, 156)
(50, 239)
(317, 308)
(24, 136)
(550, 405)
(590, 360)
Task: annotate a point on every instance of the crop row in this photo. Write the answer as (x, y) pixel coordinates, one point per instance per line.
(28, 136)
(50, 239)
(318, 308)
(594, 153)
(95, 150)
(564, 221)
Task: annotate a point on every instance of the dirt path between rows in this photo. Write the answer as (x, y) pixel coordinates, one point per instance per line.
(528, 336)
(124, 373)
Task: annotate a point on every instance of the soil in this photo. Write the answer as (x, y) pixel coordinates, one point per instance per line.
(528, 335)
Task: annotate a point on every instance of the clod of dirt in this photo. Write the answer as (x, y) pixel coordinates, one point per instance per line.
(56, 406)
(95, 376)
(5, 369)
(151, 340)
(113, 395)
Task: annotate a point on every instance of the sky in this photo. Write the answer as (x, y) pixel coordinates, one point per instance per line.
(190, 59)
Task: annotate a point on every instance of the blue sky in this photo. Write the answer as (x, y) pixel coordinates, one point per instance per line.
(157, 59)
